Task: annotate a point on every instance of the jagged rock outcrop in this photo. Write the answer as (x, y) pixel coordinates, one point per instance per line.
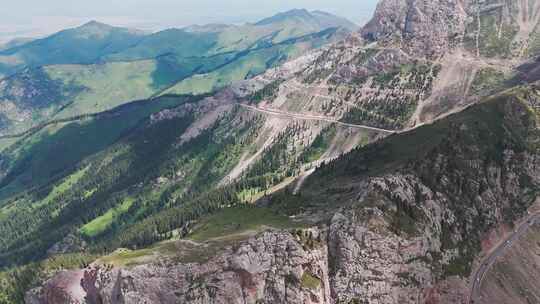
(71, 243)
(63, 288)
(506, 28)
(420, 27)
(275, 267)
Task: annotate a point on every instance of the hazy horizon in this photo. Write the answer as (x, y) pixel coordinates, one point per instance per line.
(32, 18)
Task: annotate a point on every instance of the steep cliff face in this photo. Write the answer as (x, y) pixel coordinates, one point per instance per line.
(416, 61)
(274, 267)
(503, 29)
(419, 27)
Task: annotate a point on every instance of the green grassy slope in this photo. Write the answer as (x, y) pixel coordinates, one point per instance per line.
(94, 41)
(63, 91)
(209, 41)
(84, 44)
(178, 42)
(253, 63)
(127, 174)
(108, 85)
(179, 61)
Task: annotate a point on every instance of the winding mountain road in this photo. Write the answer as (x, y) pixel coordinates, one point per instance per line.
(313, 117)
(498, 252)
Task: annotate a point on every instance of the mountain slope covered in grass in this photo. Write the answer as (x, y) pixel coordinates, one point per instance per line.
(122, 66)
(83, 45)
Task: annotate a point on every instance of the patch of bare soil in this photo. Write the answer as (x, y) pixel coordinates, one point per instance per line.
(270, 130)
(450, 89)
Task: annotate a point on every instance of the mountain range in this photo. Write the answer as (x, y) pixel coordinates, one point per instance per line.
(396, 163)
(97, 67)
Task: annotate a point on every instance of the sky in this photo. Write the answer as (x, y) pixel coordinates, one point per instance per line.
(31, 18)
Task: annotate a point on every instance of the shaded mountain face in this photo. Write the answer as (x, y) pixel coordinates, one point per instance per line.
(372, 170)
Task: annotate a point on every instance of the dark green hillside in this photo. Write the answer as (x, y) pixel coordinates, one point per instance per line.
(491, 130)
(48, 153)
(39, 90)
(134, 172)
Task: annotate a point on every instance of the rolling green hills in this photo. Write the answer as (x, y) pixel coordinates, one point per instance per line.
(82, 45)
(215, 40)
(253, 63)
(96, 67)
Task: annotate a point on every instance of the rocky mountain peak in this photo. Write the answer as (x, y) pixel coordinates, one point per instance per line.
(94, 23)
(418, 26)
(487, 28)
